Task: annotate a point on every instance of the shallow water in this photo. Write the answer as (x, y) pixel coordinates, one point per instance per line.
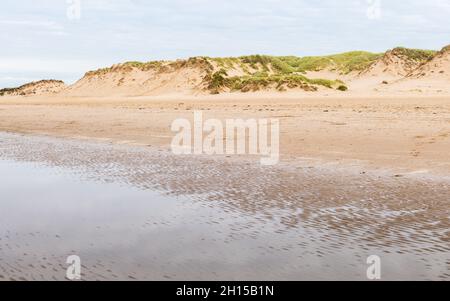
(142, 213)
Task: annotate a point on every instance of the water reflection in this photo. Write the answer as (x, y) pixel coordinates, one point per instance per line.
(138, 213)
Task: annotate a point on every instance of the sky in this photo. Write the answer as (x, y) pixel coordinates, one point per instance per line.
(62, 39)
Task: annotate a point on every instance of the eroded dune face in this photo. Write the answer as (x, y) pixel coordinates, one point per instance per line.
(142, 79)
(438, 67)
(43, 87)
(394, 64)
(432, 76)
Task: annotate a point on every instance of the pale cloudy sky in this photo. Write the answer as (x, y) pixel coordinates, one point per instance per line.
(46, 39)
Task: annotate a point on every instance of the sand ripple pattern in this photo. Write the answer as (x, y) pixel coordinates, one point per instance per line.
(318, 211)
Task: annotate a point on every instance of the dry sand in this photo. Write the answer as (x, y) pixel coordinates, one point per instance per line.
(403, 133)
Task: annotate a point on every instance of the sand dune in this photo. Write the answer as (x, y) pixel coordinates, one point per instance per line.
(42, 87)
(432, 76)
(397, 63)
(194, 76)
(399, 70)
(135, 79)
(438, 67)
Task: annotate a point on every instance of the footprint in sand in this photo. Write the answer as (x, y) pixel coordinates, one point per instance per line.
(422, 141)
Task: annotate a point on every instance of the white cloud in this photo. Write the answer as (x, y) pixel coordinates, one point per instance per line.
(41, 38)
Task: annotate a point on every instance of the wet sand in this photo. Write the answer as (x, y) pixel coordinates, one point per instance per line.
(134, 212)
(406, 133)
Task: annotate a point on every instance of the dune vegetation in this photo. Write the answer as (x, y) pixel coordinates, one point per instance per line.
(418, 55)
(219, 81)
(256, 72)
(7, 91)
(49, 85)
(344, 62)
(286, 72)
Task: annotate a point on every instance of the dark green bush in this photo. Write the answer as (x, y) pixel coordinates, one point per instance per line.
(342, 88)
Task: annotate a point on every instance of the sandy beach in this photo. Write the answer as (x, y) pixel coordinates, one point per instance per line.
(358, 176)
(193, 143)
(402, 133)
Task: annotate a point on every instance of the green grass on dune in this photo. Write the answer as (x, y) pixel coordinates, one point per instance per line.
(289, 71)
(343, 62)
(144, 66)
(415, 54)
(7, 91)
(219, 81)
(260, 71)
